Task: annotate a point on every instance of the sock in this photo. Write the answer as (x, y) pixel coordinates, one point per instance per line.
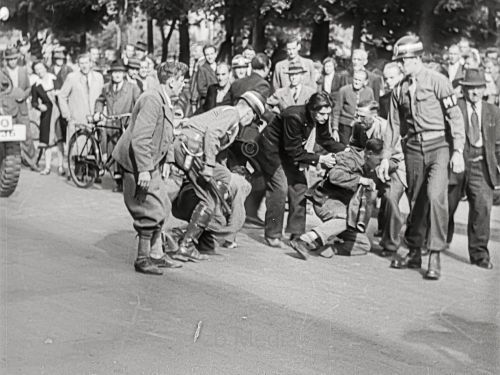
(309, 237)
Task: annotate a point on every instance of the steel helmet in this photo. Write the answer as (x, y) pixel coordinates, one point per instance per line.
(407, 46)
(256, 101)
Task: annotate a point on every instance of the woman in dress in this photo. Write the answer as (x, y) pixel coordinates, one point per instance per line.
(43, 98)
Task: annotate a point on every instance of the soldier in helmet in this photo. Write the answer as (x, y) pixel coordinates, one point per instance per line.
(198, 143)
(424, 112)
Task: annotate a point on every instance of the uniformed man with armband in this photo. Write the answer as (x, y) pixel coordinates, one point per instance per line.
(424, 112)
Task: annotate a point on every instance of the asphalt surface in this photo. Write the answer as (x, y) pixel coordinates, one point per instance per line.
(71, 302)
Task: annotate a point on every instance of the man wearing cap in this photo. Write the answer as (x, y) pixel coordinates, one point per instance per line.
(256, 81)
(141, 150)
(198, 143)
(282, 156)
(482, 160)
(295, 93)
(239, 66)
(423, 110)
(118, 97)
(141, 49)
(79, 93)
(21, 91)
(280, 76)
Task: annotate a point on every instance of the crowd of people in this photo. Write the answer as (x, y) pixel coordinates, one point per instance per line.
(246, 131)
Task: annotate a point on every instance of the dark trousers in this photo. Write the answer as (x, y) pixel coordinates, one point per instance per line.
(285, 181)
(427, 175)
(390, 218)
(480, 197)
(345, 132)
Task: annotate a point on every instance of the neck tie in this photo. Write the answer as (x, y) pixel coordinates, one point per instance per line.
(295, 94)
(475, 132)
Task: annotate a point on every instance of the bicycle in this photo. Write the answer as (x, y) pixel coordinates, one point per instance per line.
(85, 157)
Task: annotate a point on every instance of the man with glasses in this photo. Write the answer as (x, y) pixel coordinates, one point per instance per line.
(283, 153)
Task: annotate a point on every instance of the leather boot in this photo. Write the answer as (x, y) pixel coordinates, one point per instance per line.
(411, 260)
(199, 220)
(434, 269)
(143, 263)
(157, 255)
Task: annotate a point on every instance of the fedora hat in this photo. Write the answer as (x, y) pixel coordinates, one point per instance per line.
(473, 77)
(11, 53)
(117, 66)
(295, 68)
(133, 64)
(239, 61)
(141, 46)
(58, 54)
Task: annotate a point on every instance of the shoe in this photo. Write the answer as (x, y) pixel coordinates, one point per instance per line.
(98, 180)
(191, 253)
(412, 260)
(230, 244)
(294, 236)
(118, 189)
(45, 172)
(255, 221)
(145, 265)
(274, 242)
(483, 263)
(166, 262)
(378, 233)
(434, 269)
(301, 247)
(61, 171)
(384, 253)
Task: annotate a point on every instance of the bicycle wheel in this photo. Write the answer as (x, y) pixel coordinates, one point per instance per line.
(83, 159)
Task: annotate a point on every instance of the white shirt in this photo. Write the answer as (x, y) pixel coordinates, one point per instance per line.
(327, 83)
(452, 70)
(14, 76)
(479, 106)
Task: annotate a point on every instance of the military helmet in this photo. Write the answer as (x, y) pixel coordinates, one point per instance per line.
(407, 46)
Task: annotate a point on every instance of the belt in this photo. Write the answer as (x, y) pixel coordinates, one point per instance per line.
(427, 135)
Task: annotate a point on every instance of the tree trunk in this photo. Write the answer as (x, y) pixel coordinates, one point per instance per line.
(320, 39)
(151, 47)
(259, 36)
(356, 33)
(426, 22)
(184, 53)
(166, 39)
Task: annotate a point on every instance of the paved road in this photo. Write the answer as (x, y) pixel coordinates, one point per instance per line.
(72, 304)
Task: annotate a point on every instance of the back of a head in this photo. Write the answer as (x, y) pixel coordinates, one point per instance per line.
(375, 145)
(170, 69)
(260, 61)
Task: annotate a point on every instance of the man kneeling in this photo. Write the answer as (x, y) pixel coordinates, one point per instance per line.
(333, 196)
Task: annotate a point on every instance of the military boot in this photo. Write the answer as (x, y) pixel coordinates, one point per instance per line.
(199, 220)
(412, 260)
(143, 263)
(434, 269)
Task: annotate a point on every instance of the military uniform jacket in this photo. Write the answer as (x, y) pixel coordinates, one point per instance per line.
(431, 107)
(490, 131)
(282, 141)
(149, 137)
(217, 127)
(253, 82)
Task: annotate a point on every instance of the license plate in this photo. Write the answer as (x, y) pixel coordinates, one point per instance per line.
(18, 133)
(6, 123)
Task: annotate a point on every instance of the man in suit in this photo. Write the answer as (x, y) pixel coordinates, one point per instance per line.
(205, 76)
(359, 60)
(256, 81)
(142, 149)
(330, 81)
(280, 76)
(119, 97)
(218, 94)
(454, 69)
(21, 91)
(79, 93)
(282, 157)
(60, 69)
(482, 159)
(295, 93)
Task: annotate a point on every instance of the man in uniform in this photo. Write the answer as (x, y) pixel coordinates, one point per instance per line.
(482, 155)
(119, 97)
(423, 110)
(145, 145)
(197, 145)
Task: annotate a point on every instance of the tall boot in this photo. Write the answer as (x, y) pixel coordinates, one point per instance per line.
(199, 220)
(434, 269)
(158, 256)
(412, 260)
(143, 263)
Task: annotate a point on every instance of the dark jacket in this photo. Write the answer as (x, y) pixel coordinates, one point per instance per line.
(120, 102)
(490, 130)
(211, 99)
(61, 76)
(282, 141)
(253, 82)
(204, 78)
(22, 89)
